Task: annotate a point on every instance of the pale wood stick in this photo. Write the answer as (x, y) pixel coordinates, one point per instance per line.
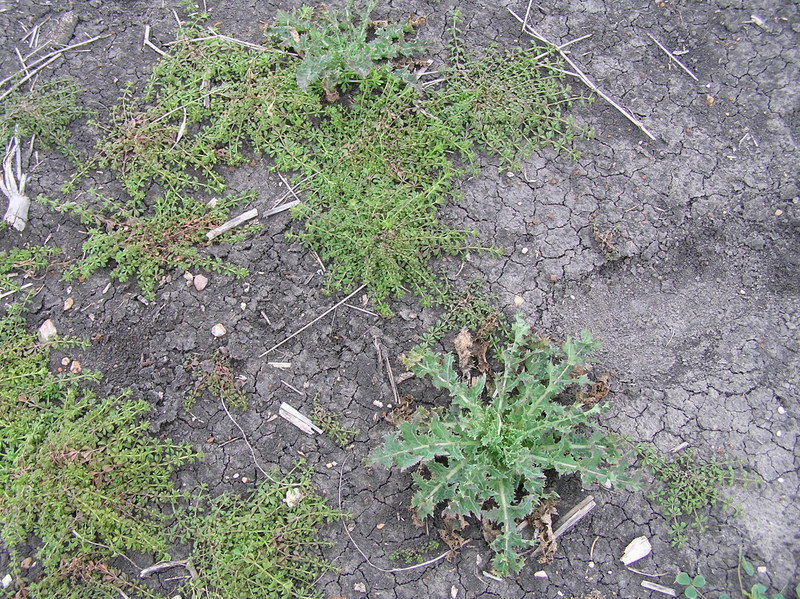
(582, 76)
(232, 223)
(673, 57)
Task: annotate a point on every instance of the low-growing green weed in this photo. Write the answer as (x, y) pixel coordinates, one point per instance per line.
(488, 452)
(216, 377)
(43, 114)
(414, 555)
(330, 424)
(686, 487)
(146, 246)
(262, 545)
(19, 264)
(692, 585)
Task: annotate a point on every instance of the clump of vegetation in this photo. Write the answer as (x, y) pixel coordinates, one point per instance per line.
(471, 309)
(488, 452)
(507, 103)
(607, 240)
(264, 545)
(686, 487)
(86, 463)
(341, 48)
(23, 263)
(414, 555)
(692, 585)
(216, 377)
(375, 168)
(146, 246)
(330, 424)
(43, 114)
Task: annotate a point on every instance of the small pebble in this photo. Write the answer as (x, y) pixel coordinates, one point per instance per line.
(68, 303)
(200, 282)
(64, 361)
(218, 330)
(75, 367)
(243, 306)
(188, 277)
(26, 563)
(781, 410)
(47, 331)
(778, 433)
(540, 574)
(330, 465)
(7, 580)
(360, 587)
(778, 212)
(762, 569)
(518, 300)
(245, 479)
(380, 526)
(524, 250)
(377, 403)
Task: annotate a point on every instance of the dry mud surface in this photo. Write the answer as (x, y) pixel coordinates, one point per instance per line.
(698, 318)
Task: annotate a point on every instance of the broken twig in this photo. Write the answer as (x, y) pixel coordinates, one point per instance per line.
(161, 566)
(150, 44)
(582, 76)
(673, 57)
(318, 318)
(232, 223)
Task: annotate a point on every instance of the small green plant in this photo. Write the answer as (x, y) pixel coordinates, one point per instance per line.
(80, 478)
(330, 423)
(414, 555)
(43, 114)
(23, 263)
(339, 48)
(488, 452)
(216, 377)
(686, 487)
(692, 585)
(507, 103)
(264, 545)
(145, 247)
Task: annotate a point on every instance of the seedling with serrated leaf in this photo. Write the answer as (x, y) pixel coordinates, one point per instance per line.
(337, 47)
(488, 452)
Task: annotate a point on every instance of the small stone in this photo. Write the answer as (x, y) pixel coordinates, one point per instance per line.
(762, 569)
(524, 250)
(26, 563)
(245, 479)
(778, 212)
(540, 574)
(518, 300)
(293, 497)
(7, 580)
(188, 277)
(377, 403)
(778, 433)
(47, 331)
(781, 410)
(235, 475)
(330, 465)
(218, 330)
(75, 367)
(380, 526)
(200, 282)
(243, 306)
(360, 587)
(709, 100)
(210, 440)
(64, 361)
(68, 303)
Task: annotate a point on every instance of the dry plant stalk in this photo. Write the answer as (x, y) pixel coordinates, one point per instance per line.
(13, 187)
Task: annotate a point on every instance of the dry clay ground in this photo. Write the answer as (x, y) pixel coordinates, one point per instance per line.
(698, 317)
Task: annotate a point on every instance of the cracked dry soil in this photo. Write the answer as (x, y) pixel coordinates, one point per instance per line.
(698, 315)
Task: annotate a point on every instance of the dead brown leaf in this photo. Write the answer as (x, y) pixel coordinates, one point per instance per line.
(599, 389)
(471, 354)
(542, 521)
(402, 412)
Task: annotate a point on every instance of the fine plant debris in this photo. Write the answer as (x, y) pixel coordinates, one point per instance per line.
(487, 452)
(330, 424)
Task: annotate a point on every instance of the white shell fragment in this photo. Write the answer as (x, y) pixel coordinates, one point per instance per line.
(637, 549)
(7, 580)
(218, 330)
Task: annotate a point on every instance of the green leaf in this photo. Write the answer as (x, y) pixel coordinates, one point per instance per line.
(759, 591)
(699, 581)
(684, 579)
(690, 592)
(748, 567)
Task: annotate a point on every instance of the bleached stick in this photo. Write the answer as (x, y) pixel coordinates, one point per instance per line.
(673, 57)
(150, 44)
(582, 76)
(14, 187)
(318, 318)
(301, 421)
(232, 223)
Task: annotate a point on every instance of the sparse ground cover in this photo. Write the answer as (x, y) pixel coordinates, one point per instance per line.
(403, 182)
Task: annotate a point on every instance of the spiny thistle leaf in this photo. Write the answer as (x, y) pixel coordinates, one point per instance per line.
(486, 454)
